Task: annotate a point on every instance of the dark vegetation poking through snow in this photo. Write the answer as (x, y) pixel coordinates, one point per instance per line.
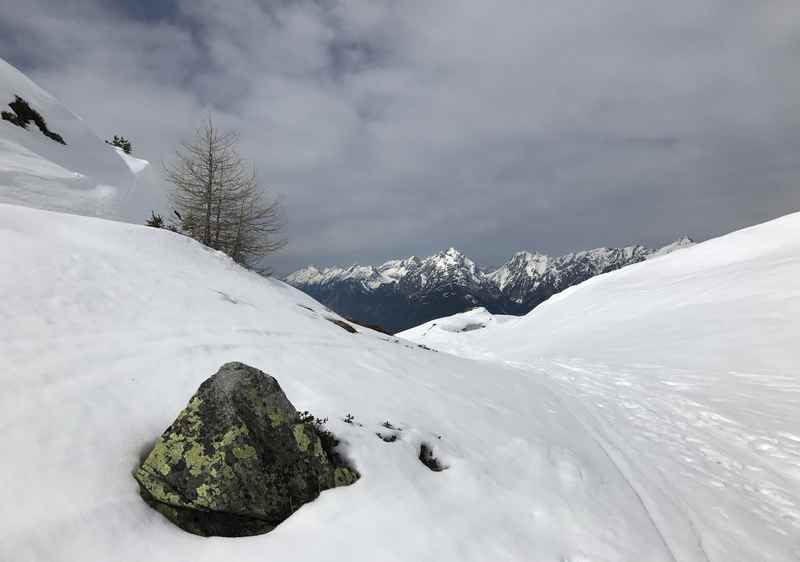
(371, 326)
(327, 438)
(389, 437)
(121, 142)
(22, 116)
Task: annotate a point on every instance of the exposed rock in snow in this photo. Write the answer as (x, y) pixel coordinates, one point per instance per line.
(238, 460)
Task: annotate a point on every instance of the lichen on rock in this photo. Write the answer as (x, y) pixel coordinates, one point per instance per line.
(238, 460)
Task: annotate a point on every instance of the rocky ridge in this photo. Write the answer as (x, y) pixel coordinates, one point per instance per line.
(403, 293)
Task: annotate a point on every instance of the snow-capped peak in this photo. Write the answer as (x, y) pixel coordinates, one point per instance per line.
(524, 268)
(449, 278)
(680, 243)
(451, 258)
(395, 270)
(307, 275)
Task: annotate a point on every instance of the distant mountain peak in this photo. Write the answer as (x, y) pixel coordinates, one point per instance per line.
(449, 256)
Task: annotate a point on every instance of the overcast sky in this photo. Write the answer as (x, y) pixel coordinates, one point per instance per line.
(399, 127)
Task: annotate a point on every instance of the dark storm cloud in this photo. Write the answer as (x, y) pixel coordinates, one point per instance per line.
(396, 128)
(147, 10)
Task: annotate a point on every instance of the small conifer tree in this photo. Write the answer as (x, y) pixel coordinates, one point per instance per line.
(121, 142)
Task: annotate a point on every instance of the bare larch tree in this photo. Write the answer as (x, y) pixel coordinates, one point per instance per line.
(219, 201)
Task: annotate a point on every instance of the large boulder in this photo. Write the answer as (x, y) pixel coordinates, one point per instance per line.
(239, 459)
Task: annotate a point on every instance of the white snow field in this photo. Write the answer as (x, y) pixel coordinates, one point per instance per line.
(87, 176)
(107, 329)
(441, 333)
(648, 414)
(685, 369)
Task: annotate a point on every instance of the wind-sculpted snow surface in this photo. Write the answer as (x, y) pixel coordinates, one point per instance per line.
(83, 176)
(107, 328)
(685, 369)
(443, 333)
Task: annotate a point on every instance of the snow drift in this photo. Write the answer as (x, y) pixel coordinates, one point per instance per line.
(686, 368)
(86, 176)
(443, 333)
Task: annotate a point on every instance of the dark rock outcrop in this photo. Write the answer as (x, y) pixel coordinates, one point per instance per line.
(427, 458)
(23, 115)
(239, 459)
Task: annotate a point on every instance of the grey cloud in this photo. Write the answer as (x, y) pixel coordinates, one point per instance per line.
(396, 128)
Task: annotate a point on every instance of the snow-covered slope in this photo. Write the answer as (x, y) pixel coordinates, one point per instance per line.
(728, 299)
(83, 176)
(443, 333)
(686, 368)
(106, 330)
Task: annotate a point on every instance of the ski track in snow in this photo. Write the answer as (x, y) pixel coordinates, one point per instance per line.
(680, 449)
(684, 371)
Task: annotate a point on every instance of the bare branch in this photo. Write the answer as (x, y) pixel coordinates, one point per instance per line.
(220, 200)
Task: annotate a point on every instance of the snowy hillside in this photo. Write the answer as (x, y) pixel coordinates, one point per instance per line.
(685, 367)
(84, 176)
(109, 328)
(443, 333)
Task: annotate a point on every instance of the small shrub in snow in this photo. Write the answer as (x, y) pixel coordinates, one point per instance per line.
(121, 142)
(155, 220)
(327, 438)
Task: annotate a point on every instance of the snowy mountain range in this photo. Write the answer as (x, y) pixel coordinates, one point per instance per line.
(407, 292)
